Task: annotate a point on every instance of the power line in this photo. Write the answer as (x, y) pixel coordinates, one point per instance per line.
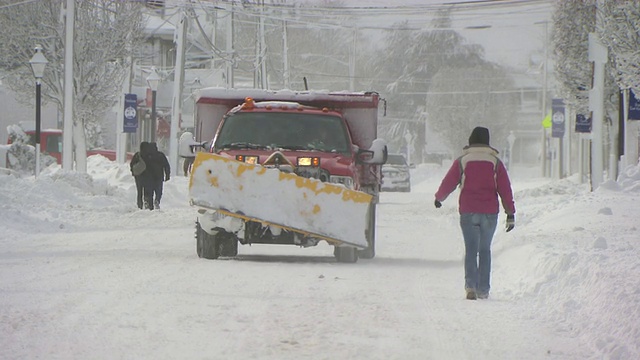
(514, 91)
(293, 14)
(18, 4)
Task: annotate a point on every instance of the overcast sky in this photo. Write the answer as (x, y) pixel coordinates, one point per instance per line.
(509, 30)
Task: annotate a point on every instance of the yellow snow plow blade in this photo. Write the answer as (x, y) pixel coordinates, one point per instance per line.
(255, 193)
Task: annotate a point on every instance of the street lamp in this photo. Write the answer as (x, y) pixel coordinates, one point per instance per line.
(153, 80)
(38, 63)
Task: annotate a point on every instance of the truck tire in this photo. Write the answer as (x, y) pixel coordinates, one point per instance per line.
(207, 246)
(199, 241)
(345, 254)
(370, 251)
(228, 244)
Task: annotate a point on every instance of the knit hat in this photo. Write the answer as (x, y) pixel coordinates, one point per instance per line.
(144, 147)
(479, 135)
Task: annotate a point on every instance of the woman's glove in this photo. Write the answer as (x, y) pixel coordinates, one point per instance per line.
(511, 222)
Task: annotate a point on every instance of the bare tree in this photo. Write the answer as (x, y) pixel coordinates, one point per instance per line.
(107, 32)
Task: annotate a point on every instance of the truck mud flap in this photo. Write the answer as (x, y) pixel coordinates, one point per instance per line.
(272, 197)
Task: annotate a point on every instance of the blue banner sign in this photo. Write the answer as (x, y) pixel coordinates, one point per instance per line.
(130, 113)
(557, 118)
(583, 123)
(634, 106)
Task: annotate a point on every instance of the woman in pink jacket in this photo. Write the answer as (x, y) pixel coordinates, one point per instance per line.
(481, 177)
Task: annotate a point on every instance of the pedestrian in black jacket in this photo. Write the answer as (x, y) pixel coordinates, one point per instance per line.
(159, 171)
(135, 166)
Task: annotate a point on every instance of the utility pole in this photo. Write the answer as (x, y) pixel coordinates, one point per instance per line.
(285, 56)
(545, 172)
(67, 131)
(230, 62)
(614, 139)
(598, 54)
(121, 136)
(261, 52)
(352, 60)
(178, 79)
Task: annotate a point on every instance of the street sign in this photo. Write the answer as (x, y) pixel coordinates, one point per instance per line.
(130, 113)
(557, 118)
(634, 106)
(583, 123)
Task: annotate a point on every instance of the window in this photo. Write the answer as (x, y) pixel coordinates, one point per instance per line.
(396, 159)
(296, 131)
(54, 144)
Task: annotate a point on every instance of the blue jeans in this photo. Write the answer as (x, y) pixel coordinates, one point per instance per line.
(478, 230)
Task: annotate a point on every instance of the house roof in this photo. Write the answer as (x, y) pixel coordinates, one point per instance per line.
(160, 27)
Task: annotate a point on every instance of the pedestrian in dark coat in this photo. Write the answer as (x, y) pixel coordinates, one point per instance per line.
(159, 171)
(187, 164)
(135, 160)
(482, 177)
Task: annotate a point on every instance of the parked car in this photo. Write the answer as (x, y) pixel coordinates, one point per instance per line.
(395, 174)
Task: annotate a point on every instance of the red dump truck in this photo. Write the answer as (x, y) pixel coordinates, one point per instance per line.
(285, 167)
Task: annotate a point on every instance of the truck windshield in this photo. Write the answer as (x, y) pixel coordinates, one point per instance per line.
(288, 131)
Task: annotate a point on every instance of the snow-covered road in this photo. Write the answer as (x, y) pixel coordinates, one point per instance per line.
(92, 277)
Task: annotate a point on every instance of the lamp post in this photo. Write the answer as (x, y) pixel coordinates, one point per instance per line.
(153, 80)
(38, 63)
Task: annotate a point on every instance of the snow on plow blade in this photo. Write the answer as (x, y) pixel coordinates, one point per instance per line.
(306, 206)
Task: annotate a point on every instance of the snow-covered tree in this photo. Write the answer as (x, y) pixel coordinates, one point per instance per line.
(572, 23)
(620, 21)
(463, 98)
(21, 153)
(106, 33)
(616, 24)
(410, 60)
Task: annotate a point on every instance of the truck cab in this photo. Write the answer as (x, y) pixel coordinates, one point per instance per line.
(316, 143)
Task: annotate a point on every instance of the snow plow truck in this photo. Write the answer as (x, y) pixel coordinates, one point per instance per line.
(285, 167)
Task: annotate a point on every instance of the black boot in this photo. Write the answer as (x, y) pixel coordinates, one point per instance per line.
(471, 294)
